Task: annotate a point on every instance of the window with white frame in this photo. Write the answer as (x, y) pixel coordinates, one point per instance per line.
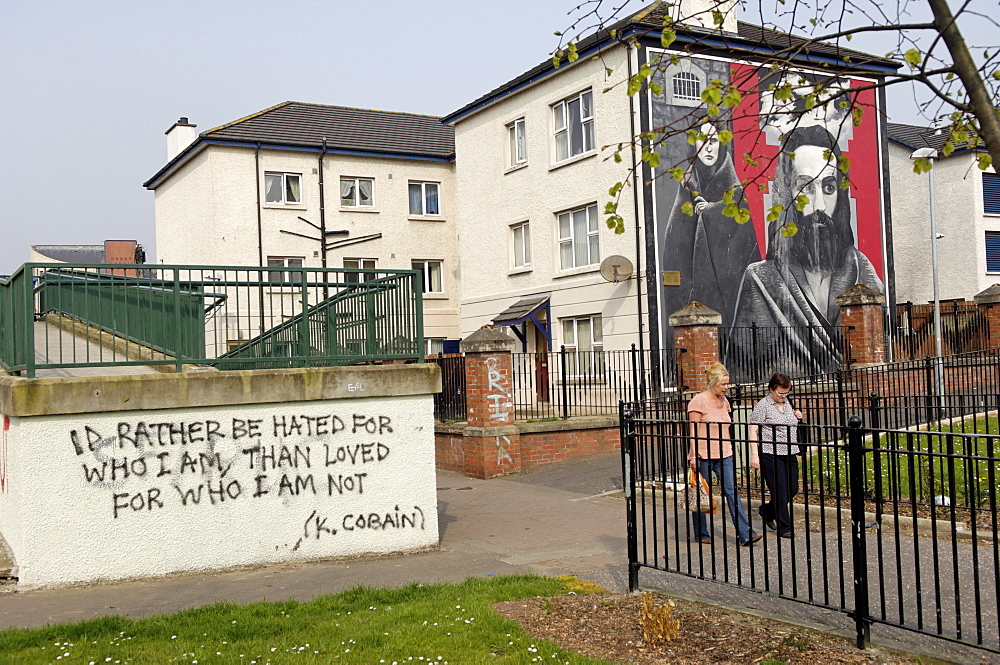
(432, 274)
(424, 198)
(517, 148)
(583, 338)
(686, 86)
(358, 264)
(283, 188)
(573, 125)
(433, 346)
(357, 192)
(285, 276)
(579, 241)
(991, 194)
(521, 239)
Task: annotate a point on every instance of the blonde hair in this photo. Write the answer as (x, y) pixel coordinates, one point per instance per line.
(715, 372)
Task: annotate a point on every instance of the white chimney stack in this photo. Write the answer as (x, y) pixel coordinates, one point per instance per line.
(700, 13)
(179, 136)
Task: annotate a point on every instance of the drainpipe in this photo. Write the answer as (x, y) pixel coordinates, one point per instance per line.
(260, 231)
(322, 208)
(638, 239)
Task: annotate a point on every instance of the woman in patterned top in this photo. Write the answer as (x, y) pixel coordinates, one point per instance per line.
(773, 428)
(712, 450)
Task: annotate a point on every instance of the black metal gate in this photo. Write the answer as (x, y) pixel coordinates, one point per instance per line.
(897, 527)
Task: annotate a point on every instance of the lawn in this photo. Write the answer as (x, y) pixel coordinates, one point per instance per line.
(417, 624)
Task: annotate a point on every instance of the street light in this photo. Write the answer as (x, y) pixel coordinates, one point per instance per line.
(931, 154)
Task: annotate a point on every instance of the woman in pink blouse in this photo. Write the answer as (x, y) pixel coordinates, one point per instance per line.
(712, 450)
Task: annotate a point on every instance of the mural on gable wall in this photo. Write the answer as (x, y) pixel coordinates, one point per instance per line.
(752, 273)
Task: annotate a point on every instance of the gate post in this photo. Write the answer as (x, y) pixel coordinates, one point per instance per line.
(696, 330)
(625, 417)
(856, 467)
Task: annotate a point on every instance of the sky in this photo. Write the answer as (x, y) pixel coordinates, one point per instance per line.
(88, 88)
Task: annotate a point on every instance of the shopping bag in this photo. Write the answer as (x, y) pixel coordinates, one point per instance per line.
(697, 496)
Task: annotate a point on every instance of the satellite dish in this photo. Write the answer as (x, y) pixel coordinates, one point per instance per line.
(616, 268)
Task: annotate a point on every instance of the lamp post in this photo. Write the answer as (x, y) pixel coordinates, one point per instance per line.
(931, 154)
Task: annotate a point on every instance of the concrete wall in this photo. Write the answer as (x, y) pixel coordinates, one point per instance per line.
(206, 213)
(112, 478)
(493, 196)
(958, 193)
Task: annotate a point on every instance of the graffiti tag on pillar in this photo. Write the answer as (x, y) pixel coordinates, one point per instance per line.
(499, 393)
(502, 454)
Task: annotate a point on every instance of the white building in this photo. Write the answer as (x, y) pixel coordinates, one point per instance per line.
(967, 215)
(259, 190)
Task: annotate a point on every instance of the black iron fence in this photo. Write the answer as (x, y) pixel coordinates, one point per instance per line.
(449, 404)
(890, 526)
(753, 353)
(964, 329)
(568, 382)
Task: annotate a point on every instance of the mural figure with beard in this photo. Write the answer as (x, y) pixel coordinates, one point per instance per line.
(708, 249)
(796, 286)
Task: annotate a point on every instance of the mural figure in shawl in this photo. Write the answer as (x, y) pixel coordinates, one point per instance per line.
(708, 249)
(796, 286)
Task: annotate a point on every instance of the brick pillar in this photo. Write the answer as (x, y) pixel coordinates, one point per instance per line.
(696, 331)
(862, 316)
(491, 445)
(988, 303)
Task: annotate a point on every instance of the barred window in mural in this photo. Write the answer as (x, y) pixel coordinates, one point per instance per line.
(753, 274)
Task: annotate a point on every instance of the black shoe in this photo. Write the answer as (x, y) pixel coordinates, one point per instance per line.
(769, 523)
(753, 539)
(786, 534)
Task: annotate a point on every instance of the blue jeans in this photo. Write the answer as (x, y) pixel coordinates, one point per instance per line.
(725, 474)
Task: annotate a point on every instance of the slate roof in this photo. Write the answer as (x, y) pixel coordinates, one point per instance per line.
(747, 42)
(345, 128)
(303, 125)
(520, 310)
(917, 136)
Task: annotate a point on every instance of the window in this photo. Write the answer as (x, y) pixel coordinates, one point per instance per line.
(573, 122)
(516, 146)
(432, 275)
(522, 245)
(282, 188)
(357, 192)
(285, 276)
(993, 251)
(991, 194)
(433, 346)
(579, 243)
(424, 198)
(584, 341)
(358, 264)
(687, 86)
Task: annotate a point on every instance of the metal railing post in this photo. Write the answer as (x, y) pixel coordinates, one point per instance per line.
(565, 382)
(635, 374)
(856, 463)
(179, 364)
(303, 345)
(29, 322)
(625, 417)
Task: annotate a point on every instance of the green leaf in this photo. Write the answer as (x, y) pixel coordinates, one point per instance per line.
(634, 85)
(913, 58)
(775, 212)
(615, 188)
(948, 148)
(750, 161)
(856, 114)
(655, 88)
(801, 201)
(718, 18)
(572, 52)
(731, 210)
(713, 110)
(844, 164)
(725, 136)
(667, 37)
(742, 216)
(610, 208)
(687, 208)
(789, 229)
(555, 60)
(727, 196)
(922, 165)
(677, 173)
(617, 157)
(732, 98)
(985, 160)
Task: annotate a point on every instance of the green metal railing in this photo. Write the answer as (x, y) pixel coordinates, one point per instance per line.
(230, 317)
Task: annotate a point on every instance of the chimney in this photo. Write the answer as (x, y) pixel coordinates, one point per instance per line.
(179, 136)
(699, 14)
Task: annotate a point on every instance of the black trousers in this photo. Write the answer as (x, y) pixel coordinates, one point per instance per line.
(781, 475)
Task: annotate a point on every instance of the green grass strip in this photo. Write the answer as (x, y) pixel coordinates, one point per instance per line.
(413, 625)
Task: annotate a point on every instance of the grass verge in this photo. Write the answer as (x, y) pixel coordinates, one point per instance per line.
(412, 625)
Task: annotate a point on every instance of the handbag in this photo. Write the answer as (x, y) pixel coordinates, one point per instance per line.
(697, 496)
(802, 431)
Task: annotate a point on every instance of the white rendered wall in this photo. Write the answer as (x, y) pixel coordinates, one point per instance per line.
(206, 213)
(96, 501)
(958, 193)
(492, 196)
